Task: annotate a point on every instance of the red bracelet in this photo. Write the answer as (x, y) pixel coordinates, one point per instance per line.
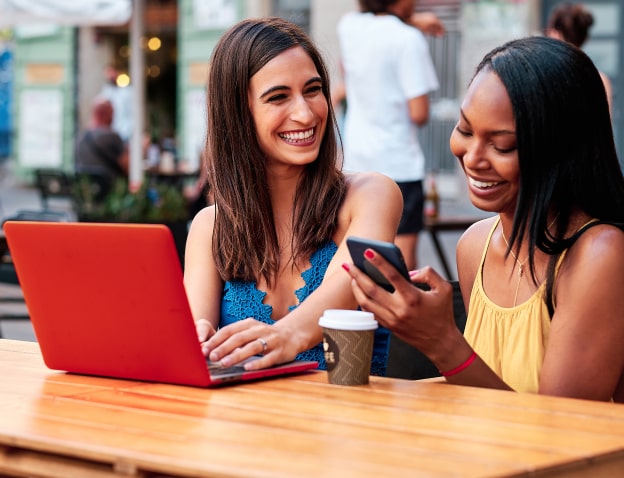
(460, 367)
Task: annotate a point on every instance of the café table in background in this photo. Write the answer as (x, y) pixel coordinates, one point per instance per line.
(175, 178)
(57, 424)
(439, 224)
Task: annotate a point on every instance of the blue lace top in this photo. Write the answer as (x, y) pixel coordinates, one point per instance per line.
(243, 299)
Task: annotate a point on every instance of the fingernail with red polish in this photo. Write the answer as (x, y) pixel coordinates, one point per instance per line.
(369, 254)
(346, 267)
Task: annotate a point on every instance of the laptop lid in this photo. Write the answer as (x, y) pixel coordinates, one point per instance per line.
(108, 299)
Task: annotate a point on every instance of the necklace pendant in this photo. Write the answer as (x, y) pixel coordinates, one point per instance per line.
(520, 270)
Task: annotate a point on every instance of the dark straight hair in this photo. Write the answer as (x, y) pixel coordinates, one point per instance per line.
(566, 152)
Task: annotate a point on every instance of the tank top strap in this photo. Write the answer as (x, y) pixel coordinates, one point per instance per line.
(577, 233)
(487, 245)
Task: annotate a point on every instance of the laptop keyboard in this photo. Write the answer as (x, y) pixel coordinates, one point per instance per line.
(216, 369)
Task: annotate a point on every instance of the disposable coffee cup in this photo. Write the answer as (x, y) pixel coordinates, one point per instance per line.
(348, 337)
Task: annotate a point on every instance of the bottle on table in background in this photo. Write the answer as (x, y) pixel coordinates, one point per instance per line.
(432, 198)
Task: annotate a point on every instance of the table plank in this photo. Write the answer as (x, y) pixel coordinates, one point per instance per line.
(296, 426)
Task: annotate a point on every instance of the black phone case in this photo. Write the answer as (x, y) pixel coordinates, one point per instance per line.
(388, 250)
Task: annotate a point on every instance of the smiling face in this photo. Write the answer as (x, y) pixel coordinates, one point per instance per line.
(289, 108)
(484, 141)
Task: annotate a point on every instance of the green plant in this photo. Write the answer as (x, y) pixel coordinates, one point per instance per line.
(153, 202)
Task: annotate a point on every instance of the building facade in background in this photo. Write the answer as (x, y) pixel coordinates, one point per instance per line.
(6, 96)
(57, 71)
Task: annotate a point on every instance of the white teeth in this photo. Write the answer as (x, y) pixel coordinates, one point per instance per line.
(299, 136)
(483, 184)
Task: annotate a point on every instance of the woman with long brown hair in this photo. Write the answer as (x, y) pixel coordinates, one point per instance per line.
(263, 263)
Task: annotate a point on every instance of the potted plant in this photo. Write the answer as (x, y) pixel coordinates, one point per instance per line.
(154, 203)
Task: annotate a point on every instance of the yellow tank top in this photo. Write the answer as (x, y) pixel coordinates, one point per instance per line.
(512, 341)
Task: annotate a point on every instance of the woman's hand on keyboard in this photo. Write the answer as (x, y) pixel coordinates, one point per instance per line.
(205, 330)
(238, 341)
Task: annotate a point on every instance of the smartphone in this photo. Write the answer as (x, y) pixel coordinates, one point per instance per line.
(388, 250)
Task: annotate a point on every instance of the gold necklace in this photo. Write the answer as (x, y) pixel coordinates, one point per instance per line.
(520, 264)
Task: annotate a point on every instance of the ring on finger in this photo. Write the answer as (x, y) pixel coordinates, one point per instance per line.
(265, 346)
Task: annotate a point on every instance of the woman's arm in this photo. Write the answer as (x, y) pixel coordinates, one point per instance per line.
(424, 319)
(585, 349)
(585, 352)
(428, 23)
(372, 208)
(201, 279)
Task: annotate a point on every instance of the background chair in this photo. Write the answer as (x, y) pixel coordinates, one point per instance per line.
(405, 361)
(58, 186)
(11, 298)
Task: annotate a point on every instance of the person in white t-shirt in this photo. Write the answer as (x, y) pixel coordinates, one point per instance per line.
(388, 75)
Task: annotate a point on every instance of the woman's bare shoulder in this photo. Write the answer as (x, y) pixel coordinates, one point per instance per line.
(372, 206)
(371, 187)
(203, 222)
(601, 246)
(470, 250)
(368, 181)
(476, 234)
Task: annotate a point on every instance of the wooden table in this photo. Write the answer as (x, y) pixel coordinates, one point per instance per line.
(435, 225)
(56, 424)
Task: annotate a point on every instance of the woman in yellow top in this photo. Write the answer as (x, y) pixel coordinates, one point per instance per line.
(543, 279)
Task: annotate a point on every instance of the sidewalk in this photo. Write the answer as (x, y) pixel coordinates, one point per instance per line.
(14, 195)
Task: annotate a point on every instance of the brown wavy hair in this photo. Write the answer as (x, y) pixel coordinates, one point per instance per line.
(572, 21)
(245, 242)
(376, 6)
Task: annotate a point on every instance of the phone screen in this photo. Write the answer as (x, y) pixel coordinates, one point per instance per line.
(388, 251)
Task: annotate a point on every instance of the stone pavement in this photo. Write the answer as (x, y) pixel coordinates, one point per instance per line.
(15, 195)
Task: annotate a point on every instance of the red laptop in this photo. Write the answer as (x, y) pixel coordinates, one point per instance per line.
(109, 300)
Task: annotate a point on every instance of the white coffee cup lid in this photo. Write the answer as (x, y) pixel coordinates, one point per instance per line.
(344, 319)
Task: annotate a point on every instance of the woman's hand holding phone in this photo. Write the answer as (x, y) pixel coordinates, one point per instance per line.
(415, 315)
(357, 247)
(389, 251)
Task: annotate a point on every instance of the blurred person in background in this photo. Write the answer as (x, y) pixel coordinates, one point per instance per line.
(121, 99)
(388, 75)
(571, 22)
(101, 153)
